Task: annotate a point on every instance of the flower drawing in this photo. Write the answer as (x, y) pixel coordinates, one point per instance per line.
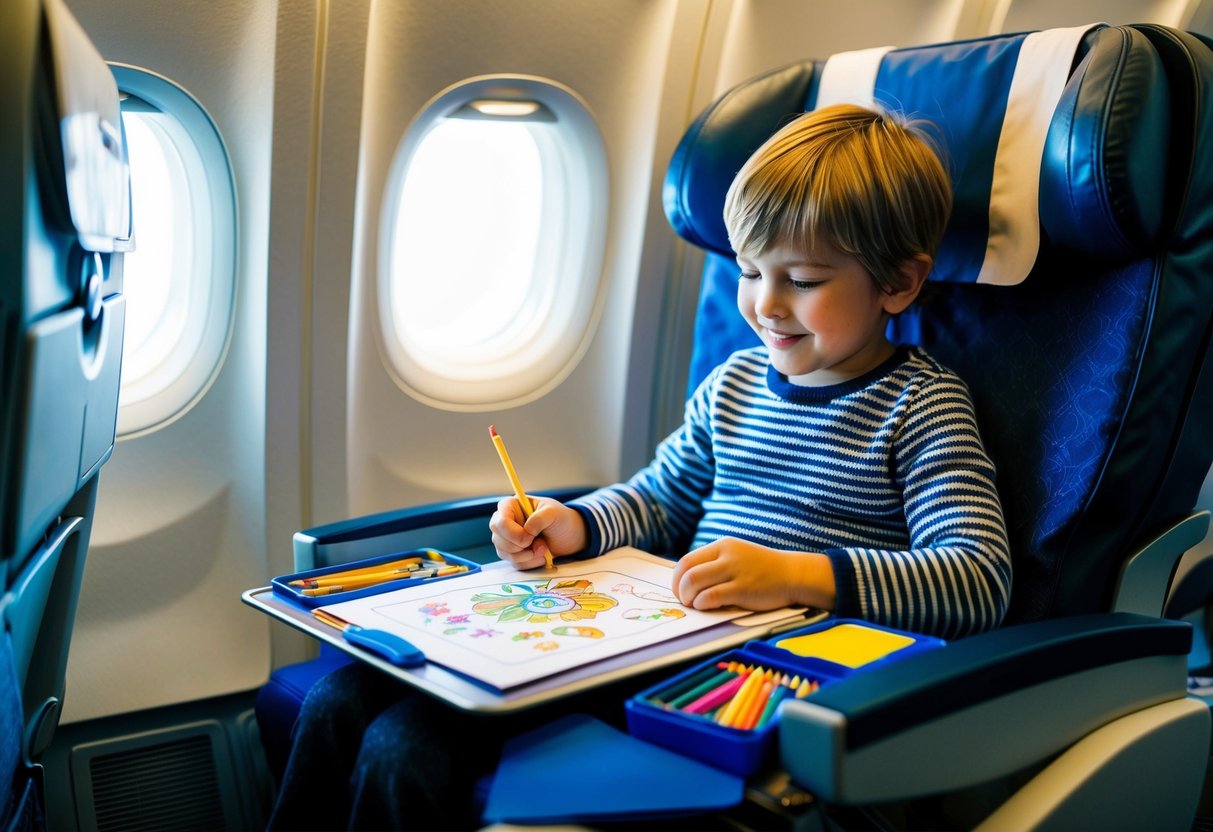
(540, 601)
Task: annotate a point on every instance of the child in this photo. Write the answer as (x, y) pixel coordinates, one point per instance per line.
(826, 468)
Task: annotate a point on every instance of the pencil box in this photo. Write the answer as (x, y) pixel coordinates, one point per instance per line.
(820, 654)
(282, 584)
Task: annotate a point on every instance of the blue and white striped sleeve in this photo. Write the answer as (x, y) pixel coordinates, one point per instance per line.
(955, 579)
(657, 509)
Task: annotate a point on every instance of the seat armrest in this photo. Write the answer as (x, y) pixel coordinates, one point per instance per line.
(456, 526)
(1145, 579)
(979, 708)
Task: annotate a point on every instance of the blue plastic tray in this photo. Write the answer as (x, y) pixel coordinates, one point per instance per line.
(282, 584)
(738, 750)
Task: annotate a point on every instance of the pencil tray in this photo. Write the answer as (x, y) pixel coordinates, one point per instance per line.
(282, 584)
(820, 654)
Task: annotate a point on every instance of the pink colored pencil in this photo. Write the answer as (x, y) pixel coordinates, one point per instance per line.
(719, 695)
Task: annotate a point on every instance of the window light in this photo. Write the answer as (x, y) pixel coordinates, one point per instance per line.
(491, 243)
(179, 280)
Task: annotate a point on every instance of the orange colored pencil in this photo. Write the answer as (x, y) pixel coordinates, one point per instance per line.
(750, 718)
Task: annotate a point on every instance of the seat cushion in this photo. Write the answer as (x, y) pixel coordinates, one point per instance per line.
(279, 700)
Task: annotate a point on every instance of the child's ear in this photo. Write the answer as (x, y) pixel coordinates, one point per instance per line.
(914, 273)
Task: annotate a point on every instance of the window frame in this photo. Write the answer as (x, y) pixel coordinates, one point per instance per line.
(526, 369)
(183, 376)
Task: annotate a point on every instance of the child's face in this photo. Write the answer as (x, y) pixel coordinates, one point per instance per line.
(820, 314)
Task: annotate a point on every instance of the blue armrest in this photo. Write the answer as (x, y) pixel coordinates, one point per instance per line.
(979, 708)
(457, 526)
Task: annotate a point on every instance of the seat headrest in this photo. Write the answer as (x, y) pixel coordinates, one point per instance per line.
(1086, 109)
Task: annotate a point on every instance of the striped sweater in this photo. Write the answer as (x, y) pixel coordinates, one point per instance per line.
(886, 474)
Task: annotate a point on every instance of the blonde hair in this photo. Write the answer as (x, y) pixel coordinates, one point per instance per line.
(866, 181)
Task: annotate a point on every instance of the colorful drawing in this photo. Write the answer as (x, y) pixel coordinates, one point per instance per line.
(539, 601)
(517, 626)
(664, 614)
(580, 632)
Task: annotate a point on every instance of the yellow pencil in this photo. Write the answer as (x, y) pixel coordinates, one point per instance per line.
(347, 573)
(344, 577)
(729, 712)
(748, 720)
(362, 582)
(523, 500)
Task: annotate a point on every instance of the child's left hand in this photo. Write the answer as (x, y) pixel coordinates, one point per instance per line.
(732, 572)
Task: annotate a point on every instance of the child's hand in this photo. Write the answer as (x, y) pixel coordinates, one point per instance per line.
(518, 542)
(731, 572)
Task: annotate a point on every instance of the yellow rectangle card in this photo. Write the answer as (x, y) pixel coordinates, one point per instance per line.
(850, 645)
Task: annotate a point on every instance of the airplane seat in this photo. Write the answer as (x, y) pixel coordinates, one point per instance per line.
(67, 221)
(1071, 293)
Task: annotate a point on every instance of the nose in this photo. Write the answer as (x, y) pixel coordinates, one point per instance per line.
(768, 303)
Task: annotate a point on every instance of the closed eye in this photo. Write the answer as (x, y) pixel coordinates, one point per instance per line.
(805, 285)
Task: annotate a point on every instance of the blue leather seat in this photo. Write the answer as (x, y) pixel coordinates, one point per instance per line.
(1088, 371)
(1085, 343)
(66, 209)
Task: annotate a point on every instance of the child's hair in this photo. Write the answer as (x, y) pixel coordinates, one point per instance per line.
(866, 181)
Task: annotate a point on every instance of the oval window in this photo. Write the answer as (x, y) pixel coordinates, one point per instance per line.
(180, 279)
(492, 241)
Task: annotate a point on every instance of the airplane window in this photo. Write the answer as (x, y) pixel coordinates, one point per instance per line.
(179, 280)
(492, 236)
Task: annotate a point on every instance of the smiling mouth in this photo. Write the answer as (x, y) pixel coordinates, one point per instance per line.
(782, 340)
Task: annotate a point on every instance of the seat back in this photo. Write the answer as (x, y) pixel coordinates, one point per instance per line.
(1076, 306)
(66, 195)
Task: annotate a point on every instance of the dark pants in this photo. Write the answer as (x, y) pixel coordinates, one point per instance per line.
(369, 752)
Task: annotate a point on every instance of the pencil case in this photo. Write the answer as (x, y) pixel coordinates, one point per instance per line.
(282, 584)
(818, 654)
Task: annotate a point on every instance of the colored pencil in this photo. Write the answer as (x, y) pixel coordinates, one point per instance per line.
(523, 500)
(667, 695)
(728, 716)
(403, 563)
(365, 581)
(768, 713)
(747, 720)
(717, 697)
(342, 577)
(719, 676)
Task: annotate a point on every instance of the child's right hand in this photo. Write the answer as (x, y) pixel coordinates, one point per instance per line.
(520, 543)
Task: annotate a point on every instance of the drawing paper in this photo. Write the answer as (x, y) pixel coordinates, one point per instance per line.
(506, 627)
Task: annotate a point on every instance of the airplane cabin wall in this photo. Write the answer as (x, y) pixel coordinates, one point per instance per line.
(180, 523)
(627, 61)
(303, 423)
